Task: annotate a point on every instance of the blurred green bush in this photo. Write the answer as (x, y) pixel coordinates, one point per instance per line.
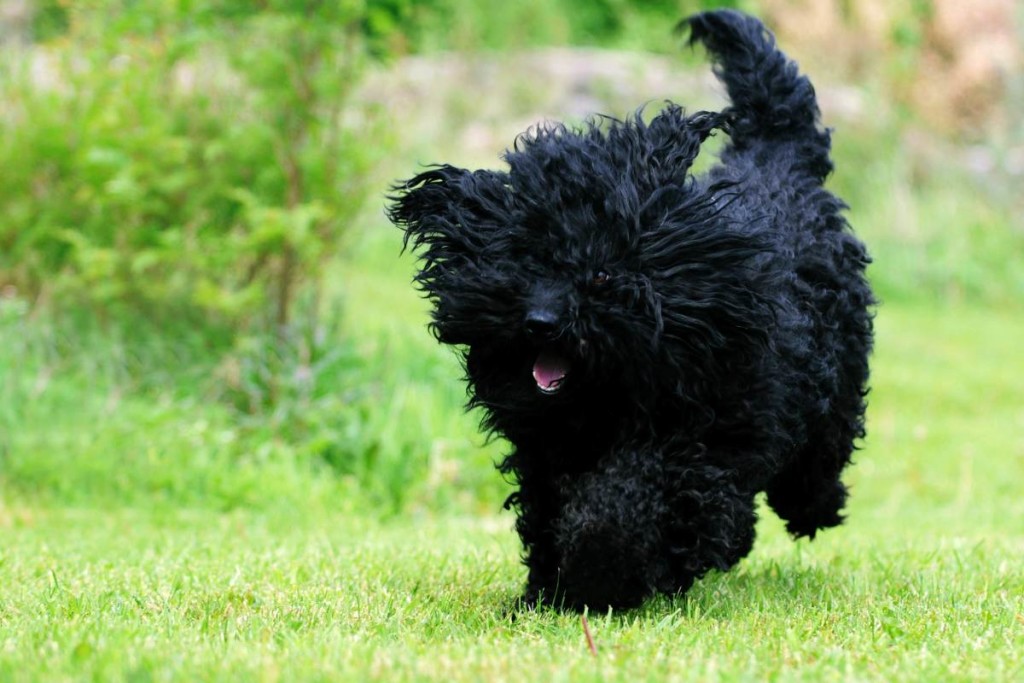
(188, 161)
(176, 176)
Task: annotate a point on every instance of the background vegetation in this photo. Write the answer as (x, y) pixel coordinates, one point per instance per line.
(229, 448)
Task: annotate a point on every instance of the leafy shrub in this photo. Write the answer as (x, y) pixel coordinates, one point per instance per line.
(193, 164)
(180, 173)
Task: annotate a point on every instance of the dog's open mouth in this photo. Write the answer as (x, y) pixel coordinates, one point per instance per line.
(550, 370)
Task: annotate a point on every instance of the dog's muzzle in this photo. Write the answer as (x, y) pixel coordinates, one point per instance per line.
(543, 324)
(551, 367)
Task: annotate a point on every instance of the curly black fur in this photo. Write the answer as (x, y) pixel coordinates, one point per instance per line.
(657, 347)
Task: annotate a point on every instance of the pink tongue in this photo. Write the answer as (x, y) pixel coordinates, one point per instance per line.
(549, 371)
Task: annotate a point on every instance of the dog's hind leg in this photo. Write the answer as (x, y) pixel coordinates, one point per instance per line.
(808, 493)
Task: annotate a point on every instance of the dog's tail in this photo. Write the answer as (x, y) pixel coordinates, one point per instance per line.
(771, 100)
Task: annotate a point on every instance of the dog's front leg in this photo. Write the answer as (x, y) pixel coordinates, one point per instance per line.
(608, 532)
(536, 503)
(648, 520)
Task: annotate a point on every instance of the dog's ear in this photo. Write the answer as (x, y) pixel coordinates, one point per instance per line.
(455, 220)
(676, 139)
(448, 212)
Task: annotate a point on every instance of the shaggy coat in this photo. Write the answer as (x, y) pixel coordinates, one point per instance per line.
(656, 347)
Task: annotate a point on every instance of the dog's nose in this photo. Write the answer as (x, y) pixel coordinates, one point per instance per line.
(541, 324)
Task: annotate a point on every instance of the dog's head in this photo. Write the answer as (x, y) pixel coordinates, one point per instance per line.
(577, 269)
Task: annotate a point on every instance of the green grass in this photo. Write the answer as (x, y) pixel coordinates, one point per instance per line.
(923, 583)
(130, 596)
(128, 415)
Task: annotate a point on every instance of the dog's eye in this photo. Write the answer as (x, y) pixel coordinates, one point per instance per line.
(600, 278)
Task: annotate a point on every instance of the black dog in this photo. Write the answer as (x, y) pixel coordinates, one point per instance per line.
(657, 347)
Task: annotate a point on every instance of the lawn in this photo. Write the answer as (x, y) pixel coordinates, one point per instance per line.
(924, 582)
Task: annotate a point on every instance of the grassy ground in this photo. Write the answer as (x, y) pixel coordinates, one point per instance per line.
(127, 596)
(923, 583)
